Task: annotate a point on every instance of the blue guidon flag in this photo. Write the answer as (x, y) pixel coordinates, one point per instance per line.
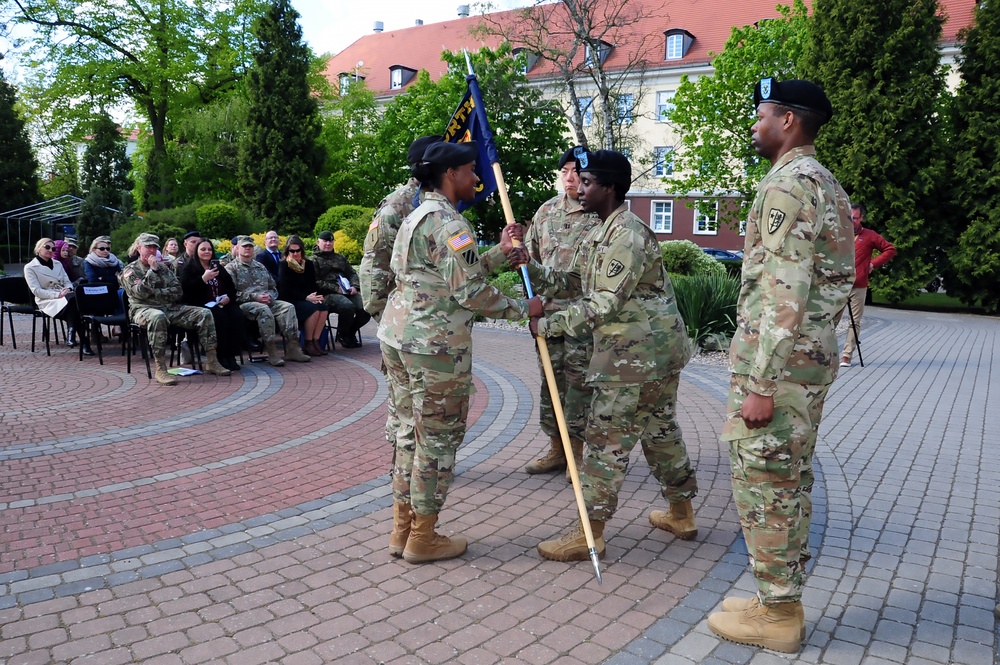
(469, 123)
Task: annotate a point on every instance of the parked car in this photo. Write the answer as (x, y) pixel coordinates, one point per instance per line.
(722, 254)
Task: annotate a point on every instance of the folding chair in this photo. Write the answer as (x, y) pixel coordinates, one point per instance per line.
(98, 305)
(136, 333)
(331, 330)
(17, 298)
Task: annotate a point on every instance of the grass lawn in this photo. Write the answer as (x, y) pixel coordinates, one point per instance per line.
(931, 302)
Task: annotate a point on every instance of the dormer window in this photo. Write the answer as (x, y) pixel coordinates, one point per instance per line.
(400, 76)
(678, 43)
(603, 50)
(346, 78)
(530, 58)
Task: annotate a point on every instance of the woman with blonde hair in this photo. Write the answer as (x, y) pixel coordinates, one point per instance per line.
(53, 289)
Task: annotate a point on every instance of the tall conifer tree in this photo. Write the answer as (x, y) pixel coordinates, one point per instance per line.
(976, 259)
(105, 179)
(18, 182)
(878, 61)
(280, 159)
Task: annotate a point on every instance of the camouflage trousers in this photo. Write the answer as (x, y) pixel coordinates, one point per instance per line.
(391, 419)
(570, 358)
(431, 395)
(622, 415)
(279, 313)
(351, 314)
(772, 484)
(156, 320)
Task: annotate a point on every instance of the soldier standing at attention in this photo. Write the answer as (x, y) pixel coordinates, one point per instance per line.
(640, 347)
(798, 269)
(154, 293)
(426, 334)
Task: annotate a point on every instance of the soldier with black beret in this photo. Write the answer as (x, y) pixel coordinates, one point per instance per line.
(798, 269)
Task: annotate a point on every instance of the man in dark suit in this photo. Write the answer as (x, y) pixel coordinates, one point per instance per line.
(271, 255)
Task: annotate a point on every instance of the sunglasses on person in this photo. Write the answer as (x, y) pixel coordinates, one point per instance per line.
(48, 247)
(294, 251)
(102, 249)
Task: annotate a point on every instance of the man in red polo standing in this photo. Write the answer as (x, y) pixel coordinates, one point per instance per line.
(866, 243)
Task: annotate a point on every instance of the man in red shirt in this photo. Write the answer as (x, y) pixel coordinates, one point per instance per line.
(866, 242)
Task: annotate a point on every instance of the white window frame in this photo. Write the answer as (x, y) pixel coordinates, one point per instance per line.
(626, 102)
(704, 225)
(587, 110)
(396, 79)
(664, 104)
(675, 47)
(662, 156)
(661, 221)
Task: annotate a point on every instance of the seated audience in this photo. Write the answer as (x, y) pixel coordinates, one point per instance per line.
(297, 285)
(53, 290)
(206, 284)
(257, 294)
(340, 285)
(101, 265)
(154, 295)
(270, 257)
(171, 251)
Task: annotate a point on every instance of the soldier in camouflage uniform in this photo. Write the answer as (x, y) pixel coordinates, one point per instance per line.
(332, 270)
(426, 334)
(640, 347)
(257, 295)
(557, 231)
(798, 270)
(154, 294)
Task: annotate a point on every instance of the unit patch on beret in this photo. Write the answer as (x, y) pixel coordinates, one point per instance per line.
(615, 267)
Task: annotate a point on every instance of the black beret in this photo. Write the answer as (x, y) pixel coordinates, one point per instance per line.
(235, 240)
(796, 93)
(192, 234)
(419, 147)
(451, 155)
(325, 235)
(608, 162)
(568, 156)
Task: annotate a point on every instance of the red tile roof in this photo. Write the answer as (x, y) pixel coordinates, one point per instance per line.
(420, 47)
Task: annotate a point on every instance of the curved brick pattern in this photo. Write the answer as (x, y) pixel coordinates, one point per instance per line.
(258, 534)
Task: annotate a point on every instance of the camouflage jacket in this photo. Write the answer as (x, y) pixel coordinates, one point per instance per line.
(627, 301)
(251, 280)
(329, 268)
(440, 285)
(159, 288)
(376, 278)
(798, 269)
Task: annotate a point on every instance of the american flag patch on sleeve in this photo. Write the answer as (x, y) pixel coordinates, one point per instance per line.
(460, 241)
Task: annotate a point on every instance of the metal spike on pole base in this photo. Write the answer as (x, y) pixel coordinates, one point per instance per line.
(597, 564)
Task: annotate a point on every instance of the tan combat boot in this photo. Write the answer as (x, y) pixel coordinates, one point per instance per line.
(577, 446)
(554, 460)
(272, 355)
(779, 627)
(163, 377)
(424, 544)
(294, 352)
(735, 604)
(679, 520)
(402, 517)
(212, 365)
(573, 545)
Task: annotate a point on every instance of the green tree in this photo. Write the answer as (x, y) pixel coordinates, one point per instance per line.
(880, 65)
(206, 150)
(529, 131)
(159, 55)
(975, 273)
(280, 158)
(105, 179)
(713, 114)
(350, 128)
(18, 182)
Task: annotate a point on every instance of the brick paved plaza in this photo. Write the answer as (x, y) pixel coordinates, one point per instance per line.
(245, 519)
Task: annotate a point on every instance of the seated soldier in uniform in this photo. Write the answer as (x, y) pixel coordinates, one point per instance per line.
(154, 295)
(257, 294)
(339, 285)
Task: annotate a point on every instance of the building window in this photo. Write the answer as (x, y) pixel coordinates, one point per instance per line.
(345, 83)
(664, 104)
(626, 103)
(663, 161)
(586, 110)
(706, 218)
(603, 49)
(396, 79)
(675, 47)
(662, 213)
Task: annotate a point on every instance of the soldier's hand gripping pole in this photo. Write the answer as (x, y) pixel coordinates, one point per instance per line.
(550, 379)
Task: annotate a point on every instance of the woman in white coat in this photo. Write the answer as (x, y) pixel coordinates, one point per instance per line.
(53, 288)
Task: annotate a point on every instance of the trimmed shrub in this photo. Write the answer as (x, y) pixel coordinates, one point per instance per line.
(184, 217)
(123, 237)
(683, 257)
(349, 247)
(508, 281)
(708, 304)
(220, 220)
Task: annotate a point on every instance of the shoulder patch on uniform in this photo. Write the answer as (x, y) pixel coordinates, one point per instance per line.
(460, 241)
(775, 218)
(373, 225)
(471, 256)
(127, 274)
(781, 210)
(614, 267)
